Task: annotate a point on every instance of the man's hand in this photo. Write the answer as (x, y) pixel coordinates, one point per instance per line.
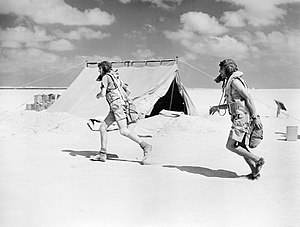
(99, 95)
(213, 109)
(257, 123)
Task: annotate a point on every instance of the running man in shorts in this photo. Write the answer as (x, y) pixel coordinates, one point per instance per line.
(241, 108)
(115, 92)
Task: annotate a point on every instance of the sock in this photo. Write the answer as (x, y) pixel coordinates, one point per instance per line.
(103, 150)
(143, 144)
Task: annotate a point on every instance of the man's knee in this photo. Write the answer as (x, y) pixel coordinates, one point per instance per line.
(231, 145)
(103, 128)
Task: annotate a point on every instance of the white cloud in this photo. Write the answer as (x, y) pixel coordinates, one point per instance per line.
(135, 35)
(11, 44)
(27, 65)
(24, 58)
(23, 35)
(255, 12)
(125, 1)
(234, 19)
(165, 4)
(201, 23)
(142, 54)
(283, 46)
(60, 45)
(203, 35)
(149, 28)
(38, 38)
(99, 58)
(55, 11)
(226, 46)
(81, 33)
(217, 46)
(190, 56)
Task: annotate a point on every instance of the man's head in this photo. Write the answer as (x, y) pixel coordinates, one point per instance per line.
(103, 68)
(227, 67)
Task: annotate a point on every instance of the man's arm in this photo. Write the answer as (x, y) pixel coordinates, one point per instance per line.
(214, 109)
(237, 84)
(103, 86)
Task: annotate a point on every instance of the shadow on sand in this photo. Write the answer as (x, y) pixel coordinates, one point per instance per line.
(88, 154)
(220, 173)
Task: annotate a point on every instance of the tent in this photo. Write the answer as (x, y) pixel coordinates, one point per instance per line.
(153, 88)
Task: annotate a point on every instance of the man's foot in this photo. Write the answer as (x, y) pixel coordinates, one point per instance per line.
(147, 150)
(101, 156)
(251, 177)
(258, 167)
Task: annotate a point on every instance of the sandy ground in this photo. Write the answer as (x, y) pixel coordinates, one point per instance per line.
(47, 179)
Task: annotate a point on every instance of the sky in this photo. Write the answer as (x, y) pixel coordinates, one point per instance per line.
(45, 43)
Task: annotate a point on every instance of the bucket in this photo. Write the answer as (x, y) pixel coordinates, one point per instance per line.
(291, 133)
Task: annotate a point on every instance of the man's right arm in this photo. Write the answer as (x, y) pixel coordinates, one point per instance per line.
(214, 109)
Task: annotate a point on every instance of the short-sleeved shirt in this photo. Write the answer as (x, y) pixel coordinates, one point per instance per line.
(108, 83)
(116, 103)
(112, 91)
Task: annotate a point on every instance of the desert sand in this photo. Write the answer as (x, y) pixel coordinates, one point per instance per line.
(47, 179)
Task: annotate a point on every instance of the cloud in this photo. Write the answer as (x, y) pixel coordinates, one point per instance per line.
(217, 46)
(142, 54)
(55, 11)
(164, 4)
(37, 38)
(25, 58)
(285, 46)
(81, 33)
(22, 34)
(99, 58)
(125, 1)
(201, 23)
(214, 40)
(11, 44)
(201, 34)
(21, 66)
(135, 35)
(60, 45)
(255, 12)
(149, 28)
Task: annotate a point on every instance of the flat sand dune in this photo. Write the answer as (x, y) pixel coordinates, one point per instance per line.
(47, 179)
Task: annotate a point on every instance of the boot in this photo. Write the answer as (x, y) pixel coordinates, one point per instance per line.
(258, 166)
(147, 150)
(101, 156)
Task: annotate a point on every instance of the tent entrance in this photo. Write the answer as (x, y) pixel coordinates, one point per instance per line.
(172, 100)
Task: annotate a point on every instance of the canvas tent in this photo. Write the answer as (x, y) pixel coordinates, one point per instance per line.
(153, 88)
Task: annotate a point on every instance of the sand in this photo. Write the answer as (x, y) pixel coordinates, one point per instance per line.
(47, 179)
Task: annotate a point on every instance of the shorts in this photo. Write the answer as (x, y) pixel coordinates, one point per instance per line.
(116, 112)
(239, 127)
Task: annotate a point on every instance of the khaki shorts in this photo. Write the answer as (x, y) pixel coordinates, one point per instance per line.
(239, 127)
(116, 112)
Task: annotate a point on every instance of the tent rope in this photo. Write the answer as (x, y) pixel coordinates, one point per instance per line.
(197, 69)
(75, 67)
(52, 74)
